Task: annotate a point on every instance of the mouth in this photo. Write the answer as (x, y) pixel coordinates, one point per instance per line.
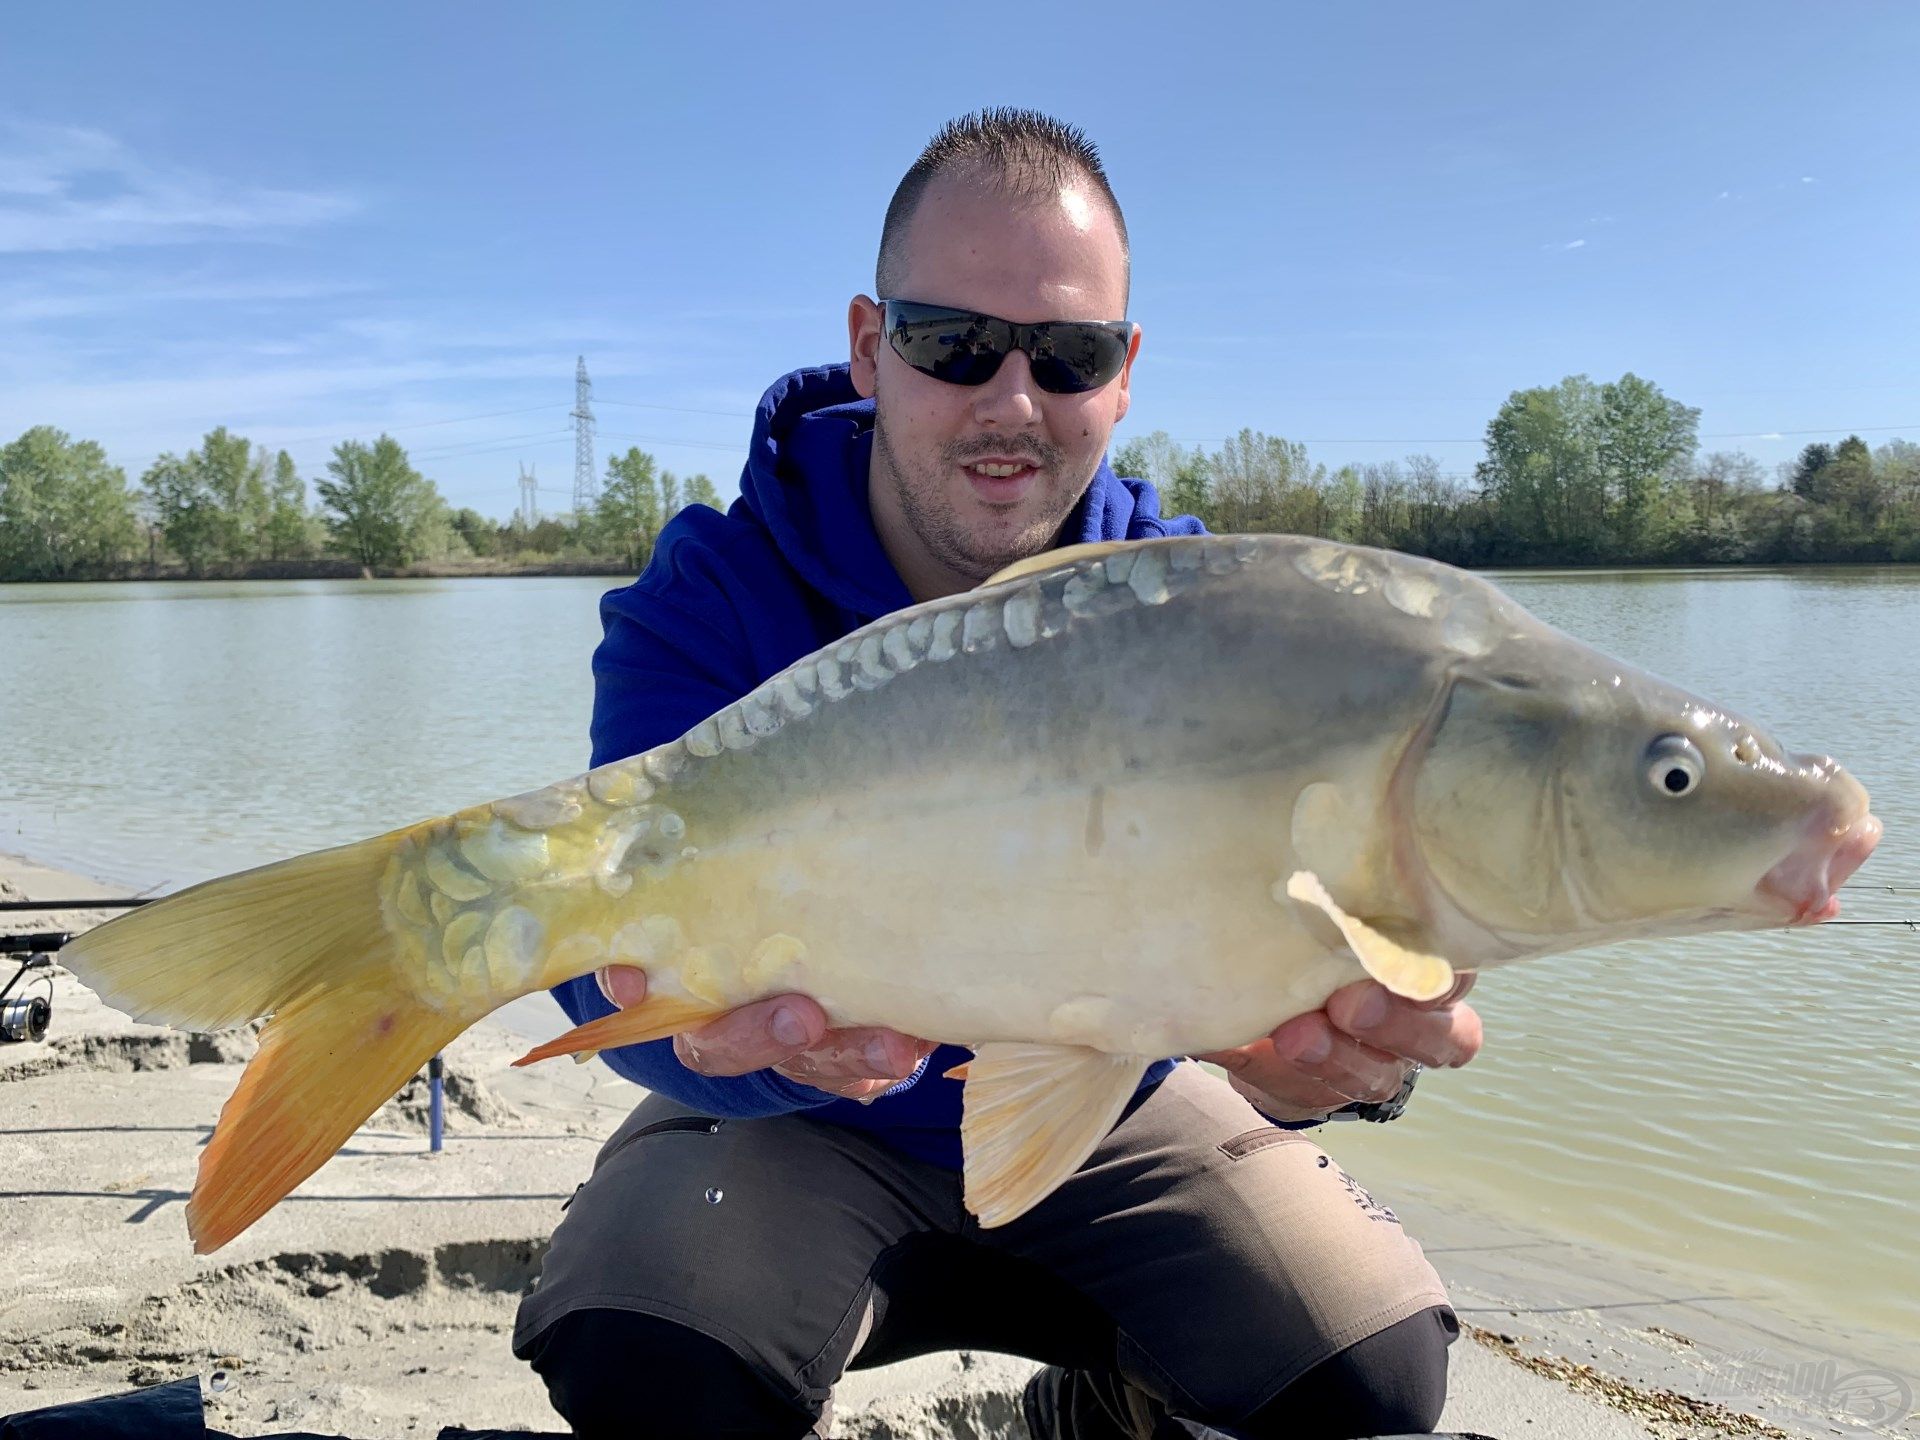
(1806, 880)
(1001, 479)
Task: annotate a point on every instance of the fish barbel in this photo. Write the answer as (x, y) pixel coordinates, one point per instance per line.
(1122, 802)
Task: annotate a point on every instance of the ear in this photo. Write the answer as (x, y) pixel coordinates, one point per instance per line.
(865, 321)
(1126, 378)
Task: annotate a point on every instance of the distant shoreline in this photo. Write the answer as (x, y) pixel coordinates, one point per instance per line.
(336, 569)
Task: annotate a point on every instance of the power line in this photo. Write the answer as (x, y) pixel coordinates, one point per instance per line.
(665, 440)
(678, 409)
(428, 424)
(441, 452)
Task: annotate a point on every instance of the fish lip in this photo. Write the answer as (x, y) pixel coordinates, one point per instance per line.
(1804, 884)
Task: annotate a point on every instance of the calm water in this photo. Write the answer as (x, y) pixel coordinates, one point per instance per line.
(1749, 1106)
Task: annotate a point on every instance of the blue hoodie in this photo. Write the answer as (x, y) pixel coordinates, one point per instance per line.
(728, 601)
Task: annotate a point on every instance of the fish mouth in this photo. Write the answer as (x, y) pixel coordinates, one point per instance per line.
(1804, 883)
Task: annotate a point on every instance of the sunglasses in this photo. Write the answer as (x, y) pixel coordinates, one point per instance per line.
(1068, 357)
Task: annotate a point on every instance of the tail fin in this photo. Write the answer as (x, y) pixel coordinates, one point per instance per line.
(305, 941)
(326, 1062)
(234, 949)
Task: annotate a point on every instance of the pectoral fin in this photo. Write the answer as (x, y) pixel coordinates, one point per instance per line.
(654, 1019)
(1054, 560)
(1403, 971)
(1031, 1114)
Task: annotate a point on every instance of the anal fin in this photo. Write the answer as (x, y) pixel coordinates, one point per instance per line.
(1405, 972)
(654, 1019)
(1031, 1115)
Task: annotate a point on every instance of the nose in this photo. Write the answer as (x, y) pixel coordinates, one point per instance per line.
(1010, 400)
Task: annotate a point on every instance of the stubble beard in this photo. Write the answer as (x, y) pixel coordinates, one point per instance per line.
(922, 491)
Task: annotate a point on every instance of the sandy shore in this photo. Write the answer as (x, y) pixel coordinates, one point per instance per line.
(378, 1300)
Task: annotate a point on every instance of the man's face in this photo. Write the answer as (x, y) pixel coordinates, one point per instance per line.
(946, 523)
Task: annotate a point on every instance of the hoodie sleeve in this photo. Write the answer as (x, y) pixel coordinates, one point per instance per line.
(673, 653)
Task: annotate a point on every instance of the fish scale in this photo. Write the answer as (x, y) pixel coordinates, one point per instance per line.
(1123, 802)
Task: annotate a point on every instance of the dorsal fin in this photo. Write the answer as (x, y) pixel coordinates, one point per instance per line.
(1055, 560)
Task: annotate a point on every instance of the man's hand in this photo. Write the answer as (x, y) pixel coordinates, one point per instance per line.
(787, 1034)
(1358, 1048)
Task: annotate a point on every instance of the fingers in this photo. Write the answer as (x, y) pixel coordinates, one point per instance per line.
(789, 1034)
(857, 1063)
(753, 1037)
(1307, 1067)
(1439, 1033)
(623, 985)
(1358, 1048)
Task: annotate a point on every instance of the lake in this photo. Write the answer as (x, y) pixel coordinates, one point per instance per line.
(1746, 1106)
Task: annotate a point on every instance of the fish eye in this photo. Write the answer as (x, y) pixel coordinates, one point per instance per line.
(1675, 766)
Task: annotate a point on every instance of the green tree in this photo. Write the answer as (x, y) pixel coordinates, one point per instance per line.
(1806, 480)
(1543, 476)
(1852, 485)
(1262, 482)
(235, 476)
(629, 514)
(212, 503)
(63, 509)
(1180, 475)
(1645, 449)
(378, 509)
(700, 491)
(190, 520)
(288, 531)
(1721, 481)
(1343, 500)
(481, 535)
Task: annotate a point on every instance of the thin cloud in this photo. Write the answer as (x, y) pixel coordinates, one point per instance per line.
(1563, 246)
(93, 293)
(64, 188)
(1808, 180)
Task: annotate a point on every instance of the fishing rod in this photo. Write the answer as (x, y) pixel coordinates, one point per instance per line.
(20, 906)
(26, 1018)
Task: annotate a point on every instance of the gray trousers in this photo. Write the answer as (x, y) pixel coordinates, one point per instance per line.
(1202, 1257)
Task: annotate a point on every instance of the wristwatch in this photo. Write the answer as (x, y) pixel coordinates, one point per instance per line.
(1382, 1110)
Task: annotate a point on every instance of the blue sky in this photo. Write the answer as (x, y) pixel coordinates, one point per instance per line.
(1359, 225)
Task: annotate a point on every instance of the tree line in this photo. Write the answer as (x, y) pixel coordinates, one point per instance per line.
(1578, 473)
(231, 507)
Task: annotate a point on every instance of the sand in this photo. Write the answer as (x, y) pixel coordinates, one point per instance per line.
(378, 1300)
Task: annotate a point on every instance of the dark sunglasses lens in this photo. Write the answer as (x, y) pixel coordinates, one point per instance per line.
(958, 348)
(1069, 359)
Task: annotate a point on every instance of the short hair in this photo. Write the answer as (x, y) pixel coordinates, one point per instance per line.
(1029, 155)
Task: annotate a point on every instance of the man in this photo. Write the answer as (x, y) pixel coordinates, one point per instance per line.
(788, 1202)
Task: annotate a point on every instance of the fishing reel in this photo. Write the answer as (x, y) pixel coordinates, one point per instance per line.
(25, 1015)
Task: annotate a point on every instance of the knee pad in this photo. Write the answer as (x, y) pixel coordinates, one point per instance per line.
(618, 1373)
(1392, 1382)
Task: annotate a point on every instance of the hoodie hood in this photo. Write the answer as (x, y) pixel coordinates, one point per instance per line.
(806, 481)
